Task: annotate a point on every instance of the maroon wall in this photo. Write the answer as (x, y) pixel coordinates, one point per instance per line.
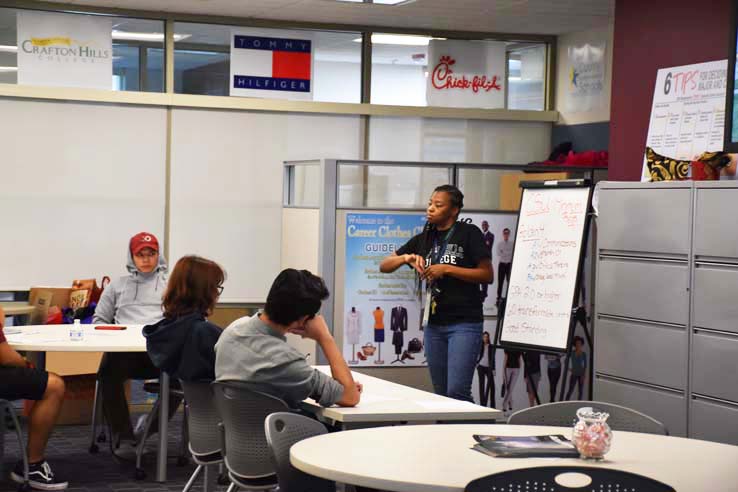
(653, 34)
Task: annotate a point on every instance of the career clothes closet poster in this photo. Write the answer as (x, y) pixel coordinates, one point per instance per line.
(381, 318)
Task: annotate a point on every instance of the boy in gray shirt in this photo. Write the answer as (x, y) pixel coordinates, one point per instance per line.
(255, 350)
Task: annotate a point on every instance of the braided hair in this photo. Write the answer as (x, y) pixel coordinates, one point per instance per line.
(456, 197)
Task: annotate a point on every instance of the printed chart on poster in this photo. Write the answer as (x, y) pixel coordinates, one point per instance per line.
(545, 268)
(498, 231)
(381, 322)
(688, 112)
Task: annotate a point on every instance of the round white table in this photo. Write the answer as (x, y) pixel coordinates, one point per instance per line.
(55, 338)
(439, 458)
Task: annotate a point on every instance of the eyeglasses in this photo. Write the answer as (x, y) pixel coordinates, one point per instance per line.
(220, 289)
(145, 255)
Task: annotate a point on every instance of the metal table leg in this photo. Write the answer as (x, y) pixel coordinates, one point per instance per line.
(161, 463)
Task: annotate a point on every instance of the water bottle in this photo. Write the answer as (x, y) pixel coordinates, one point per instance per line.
(76, 332)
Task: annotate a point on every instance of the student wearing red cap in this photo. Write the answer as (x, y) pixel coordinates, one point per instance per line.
(133, 299)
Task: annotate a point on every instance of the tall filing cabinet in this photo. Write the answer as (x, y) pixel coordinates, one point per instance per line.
(666, 320)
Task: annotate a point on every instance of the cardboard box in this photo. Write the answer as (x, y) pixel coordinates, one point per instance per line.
(510, 191)
(62, 363)
(78, 399)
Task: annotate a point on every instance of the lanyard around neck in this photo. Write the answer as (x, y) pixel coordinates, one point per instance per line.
(439, 250)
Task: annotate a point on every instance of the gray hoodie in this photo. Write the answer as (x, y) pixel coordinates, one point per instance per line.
(135, 298)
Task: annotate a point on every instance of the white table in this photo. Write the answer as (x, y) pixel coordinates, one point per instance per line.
(55, 338)
(439, 459)
(383, 402)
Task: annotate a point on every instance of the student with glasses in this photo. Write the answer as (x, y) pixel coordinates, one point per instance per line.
(134, 299)
(183, 343)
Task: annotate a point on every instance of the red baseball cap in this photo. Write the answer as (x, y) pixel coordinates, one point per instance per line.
(143, 240)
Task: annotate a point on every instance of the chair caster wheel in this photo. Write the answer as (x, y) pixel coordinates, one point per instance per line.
(182, 461)
(223, 479)
(139, 474)
(94, 449)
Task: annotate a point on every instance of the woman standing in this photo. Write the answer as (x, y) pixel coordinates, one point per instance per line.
(486, 372)
(453, 260)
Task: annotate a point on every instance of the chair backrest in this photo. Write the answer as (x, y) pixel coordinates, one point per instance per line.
(283, 429)
(564, 413)
(544, 478)
(203, 418)
(243, 412)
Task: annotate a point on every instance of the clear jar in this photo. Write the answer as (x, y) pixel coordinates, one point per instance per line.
(591, 434)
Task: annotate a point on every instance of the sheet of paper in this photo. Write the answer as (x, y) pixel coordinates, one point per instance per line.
(369, 399)
(448, 404)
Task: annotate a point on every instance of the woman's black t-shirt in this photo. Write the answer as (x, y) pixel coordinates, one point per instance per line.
(458, 301)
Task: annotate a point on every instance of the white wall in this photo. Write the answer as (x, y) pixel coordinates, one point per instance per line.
(300, 250)
(398, 84)
(592, 36)
(78, 180)
(227, 177)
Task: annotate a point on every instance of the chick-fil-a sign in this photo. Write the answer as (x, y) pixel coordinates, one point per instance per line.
(443, 77)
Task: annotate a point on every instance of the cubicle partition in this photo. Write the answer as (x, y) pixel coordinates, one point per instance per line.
(330, 192)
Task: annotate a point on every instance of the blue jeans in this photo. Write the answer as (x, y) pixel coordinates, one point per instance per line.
(452, 352)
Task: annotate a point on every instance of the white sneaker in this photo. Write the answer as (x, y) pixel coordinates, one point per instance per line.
(138, 430)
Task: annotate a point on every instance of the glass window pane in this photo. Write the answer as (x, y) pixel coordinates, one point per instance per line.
(403, 64)
(305, 185)
(499, 189)
(526, 77)
(202, 60)
(389, 186)
(131, 39)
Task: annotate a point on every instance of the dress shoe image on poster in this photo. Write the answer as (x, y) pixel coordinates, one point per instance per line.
(382, 315)
(498, 232)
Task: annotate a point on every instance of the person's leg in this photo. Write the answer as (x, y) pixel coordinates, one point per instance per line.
(464, 343)
(580, 386)
(43, 417)
(536, 379)
(529, 390)
(500, 279)
(436, 354)
(572, 382)
(512, 375)
(481, 374)
(115, 369)
(491, 388)
(553, 381)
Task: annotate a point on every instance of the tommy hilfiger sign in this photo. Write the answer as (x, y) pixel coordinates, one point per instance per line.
(271, 67)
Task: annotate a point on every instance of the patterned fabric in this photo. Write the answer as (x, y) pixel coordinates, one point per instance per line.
(662, 168)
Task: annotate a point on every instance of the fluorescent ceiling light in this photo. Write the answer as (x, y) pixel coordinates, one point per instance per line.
(377, 2)
(146, 36)
(8, 49)
(399, 39)
(8, 69)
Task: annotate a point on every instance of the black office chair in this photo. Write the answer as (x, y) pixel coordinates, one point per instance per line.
(554, 479)
(283, 429)
(564, 414)
(246, 452)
